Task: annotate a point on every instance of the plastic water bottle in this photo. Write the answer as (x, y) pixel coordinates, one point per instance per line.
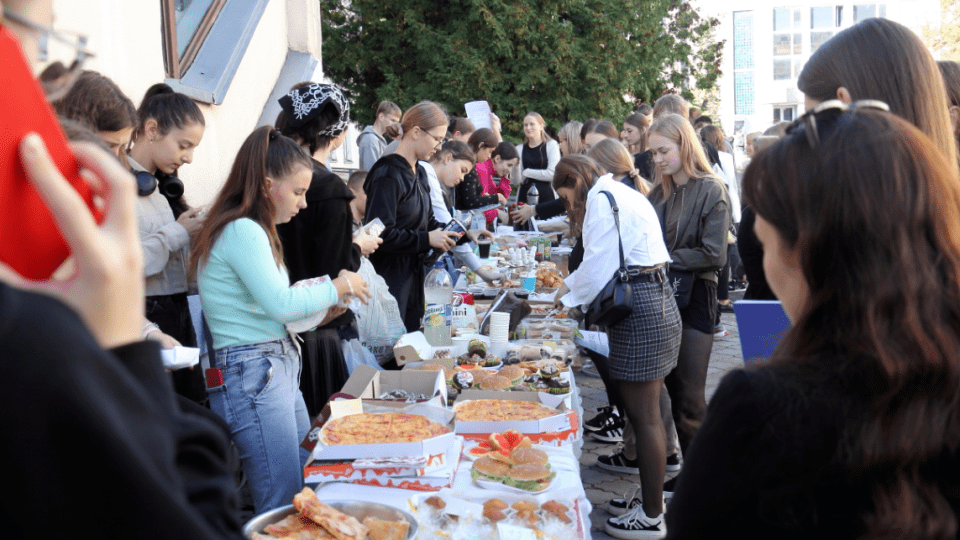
(438, 293)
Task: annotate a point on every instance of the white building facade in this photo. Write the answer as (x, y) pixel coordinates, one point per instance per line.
(768, 43)
(234, 57)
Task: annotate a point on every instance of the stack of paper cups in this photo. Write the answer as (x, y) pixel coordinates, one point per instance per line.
(499, 327)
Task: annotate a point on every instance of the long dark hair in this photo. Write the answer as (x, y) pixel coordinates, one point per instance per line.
(874, 214)
(579, 173)
(170, 110)
(246, 194)
(882, 59)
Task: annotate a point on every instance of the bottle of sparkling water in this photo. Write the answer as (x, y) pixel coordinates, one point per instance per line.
(438, 293)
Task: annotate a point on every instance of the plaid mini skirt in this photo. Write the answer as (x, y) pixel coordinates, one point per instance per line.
(645, 345)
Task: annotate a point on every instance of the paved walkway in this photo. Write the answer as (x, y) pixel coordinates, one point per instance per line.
(601, 485)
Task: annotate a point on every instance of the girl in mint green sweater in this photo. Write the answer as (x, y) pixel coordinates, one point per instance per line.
(246, 297)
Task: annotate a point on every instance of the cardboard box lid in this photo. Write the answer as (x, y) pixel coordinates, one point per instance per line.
(369, 383)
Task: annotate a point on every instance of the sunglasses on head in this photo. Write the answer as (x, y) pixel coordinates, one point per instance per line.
(831, 109)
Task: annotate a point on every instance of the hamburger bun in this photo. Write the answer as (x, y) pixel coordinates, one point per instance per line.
(490, 469)
(521, 456)
(495, 382)
(529, 477)
(513, 373)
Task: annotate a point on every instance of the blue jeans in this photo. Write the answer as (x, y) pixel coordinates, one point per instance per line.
(261, 401)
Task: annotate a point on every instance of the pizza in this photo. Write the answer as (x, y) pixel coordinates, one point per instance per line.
(485, 410)
(335, 522)
(366, 428)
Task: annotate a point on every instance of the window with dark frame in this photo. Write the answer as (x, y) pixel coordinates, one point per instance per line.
(186, 24)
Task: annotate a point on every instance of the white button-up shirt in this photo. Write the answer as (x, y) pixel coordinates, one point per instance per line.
(639, 231)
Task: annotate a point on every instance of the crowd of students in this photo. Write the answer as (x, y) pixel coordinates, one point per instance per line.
(850, 219)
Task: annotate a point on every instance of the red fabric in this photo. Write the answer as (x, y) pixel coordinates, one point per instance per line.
(491, 186)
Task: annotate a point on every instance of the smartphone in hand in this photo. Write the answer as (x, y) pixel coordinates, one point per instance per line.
(30, 240)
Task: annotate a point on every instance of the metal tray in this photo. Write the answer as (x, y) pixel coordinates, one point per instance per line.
(357, 509)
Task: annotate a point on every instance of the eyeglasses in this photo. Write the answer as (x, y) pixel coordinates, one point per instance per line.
(437, 142)
(55, 86)
(832, 108)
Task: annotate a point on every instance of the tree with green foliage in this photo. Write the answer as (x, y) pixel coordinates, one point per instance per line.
(566, 59)
(944, 37)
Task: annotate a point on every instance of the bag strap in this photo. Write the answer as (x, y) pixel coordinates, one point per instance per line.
(616, 219)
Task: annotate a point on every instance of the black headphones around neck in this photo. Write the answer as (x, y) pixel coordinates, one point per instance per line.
(171, 187)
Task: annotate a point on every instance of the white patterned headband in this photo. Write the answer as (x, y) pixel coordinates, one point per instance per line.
(304, 104)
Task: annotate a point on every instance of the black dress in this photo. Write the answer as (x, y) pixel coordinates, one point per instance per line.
(318, 241)
(401, 199)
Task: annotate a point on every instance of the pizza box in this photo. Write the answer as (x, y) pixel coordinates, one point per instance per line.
(438, 472)
(368, 383)
(561, 422)
(413, 347)
(428, 447)
(548, 399)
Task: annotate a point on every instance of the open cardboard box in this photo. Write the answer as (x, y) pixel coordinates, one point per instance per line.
(561, 422)
(369, 383)
(438, 473)
(429, 447)
(413, 347)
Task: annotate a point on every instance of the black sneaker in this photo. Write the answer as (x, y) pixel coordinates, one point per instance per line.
(600, 421)
(612, 432)
(635, 524)
(673, 462)
(669, 486)
(620, 506)
(618, 462)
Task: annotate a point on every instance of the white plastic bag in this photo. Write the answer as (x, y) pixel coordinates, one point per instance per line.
(379, 319)
(355, 354)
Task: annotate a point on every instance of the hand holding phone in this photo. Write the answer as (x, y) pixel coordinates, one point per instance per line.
(107, 289)
(30, 242)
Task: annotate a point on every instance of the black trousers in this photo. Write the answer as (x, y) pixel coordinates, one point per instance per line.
(171, 313)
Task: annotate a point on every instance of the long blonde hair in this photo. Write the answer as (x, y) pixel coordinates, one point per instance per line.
(692, 157)
(613, 157)
(544, 136)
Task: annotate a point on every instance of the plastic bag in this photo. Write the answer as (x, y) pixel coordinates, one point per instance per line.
(355, 354)
(378, 321)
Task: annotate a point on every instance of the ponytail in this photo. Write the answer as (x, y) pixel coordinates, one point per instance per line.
(168, 108)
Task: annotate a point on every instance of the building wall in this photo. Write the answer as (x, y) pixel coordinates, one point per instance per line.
(126, 37)
(768, 93)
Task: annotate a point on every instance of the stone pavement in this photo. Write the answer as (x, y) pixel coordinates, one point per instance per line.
(601, 485)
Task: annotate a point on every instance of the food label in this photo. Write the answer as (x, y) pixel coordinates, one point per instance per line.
(345, 407)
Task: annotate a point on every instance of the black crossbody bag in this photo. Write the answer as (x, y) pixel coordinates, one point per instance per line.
(615, 301)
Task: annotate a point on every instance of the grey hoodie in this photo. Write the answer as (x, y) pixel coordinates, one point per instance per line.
(371, 147)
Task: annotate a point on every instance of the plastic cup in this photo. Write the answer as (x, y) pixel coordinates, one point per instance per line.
(529, 283)
(483, 245)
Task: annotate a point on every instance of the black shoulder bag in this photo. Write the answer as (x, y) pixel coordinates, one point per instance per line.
(615, 301)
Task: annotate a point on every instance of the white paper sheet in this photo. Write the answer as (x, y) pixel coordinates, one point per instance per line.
(479, 113)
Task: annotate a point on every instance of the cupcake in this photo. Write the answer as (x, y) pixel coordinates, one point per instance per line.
(558, 386)
(549, 371)
(463, 380)
(477, 347)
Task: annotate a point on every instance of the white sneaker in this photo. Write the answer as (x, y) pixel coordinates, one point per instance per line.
(635, 524)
